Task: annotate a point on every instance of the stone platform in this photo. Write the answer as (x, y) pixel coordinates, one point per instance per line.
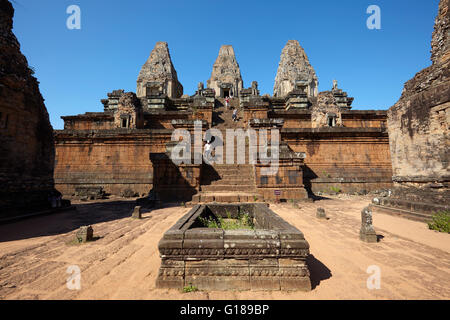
(407, 208)
(270, 257)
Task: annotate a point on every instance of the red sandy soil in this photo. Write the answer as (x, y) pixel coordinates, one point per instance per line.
(123, 263)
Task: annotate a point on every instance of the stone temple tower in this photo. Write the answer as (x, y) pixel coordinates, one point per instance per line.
(294, 72)
(159, 71)
(226, 77)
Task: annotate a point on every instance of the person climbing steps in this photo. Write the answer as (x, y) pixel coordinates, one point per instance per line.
(234, 116)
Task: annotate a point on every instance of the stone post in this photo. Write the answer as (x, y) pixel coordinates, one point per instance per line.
(136, 214)
(367, 232)
(85, 234)
(321, 213)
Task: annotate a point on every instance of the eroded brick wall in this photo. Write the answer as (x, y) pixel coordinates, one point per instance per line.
(116, 160)
(26, 136)
(419, 123)
(349, 161)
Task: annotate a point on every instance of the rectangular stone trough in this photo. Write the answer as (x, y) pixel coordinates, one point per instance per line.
(272, 256)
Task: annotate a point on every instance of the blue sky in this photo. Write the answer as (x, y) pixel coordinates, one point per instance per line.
(77, 68)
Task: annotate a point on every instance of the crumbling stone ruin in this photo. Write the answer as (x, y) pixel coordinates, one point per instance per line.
(226, 79)
(271, 256)
(159, 71)
(89, 193)
(419, 134)
(324, 144)
(295, 72)
(27, 148)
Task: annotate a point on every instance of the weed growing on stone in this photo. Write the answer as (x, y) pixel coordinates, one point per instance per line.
(190, 288)
(335, 189)
(243, 221)
(440, 221)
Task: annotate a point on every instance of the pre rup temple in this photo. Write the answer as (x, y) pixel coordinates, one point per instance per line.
(326, 146)
(324, 143)
(106, 196)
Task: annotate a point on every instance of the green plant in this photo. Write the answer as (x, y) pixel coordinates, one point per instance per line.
(440, 221)
(294, 203)
(335, 189)
(255, 198)
(190, 288)
(242, 221)
(210, 222)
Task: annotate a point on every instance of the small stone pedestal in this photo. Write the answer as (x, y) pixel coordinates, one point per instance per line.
(85, 234)
(136, 214)
(367, 232)
(320, 214)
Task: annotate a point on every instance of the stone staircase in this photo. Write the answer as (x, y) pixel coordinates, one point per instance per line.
(227, 182)
(222, 118)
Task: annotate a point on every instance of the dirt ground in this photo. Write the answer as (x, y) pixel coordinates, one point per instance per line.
(123, 262)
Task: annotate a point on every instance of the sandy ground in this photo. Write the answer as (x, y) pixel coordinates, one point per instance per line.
(123, 263)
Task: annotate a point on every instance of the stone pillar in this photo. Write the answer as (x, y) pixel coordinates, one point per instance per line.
(321, 213)
(367, 232)
(85, 234)
(136, 214)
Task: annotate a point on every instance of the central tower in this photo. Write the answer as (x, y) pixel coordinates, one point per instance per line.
(295, 72)
(226, 79)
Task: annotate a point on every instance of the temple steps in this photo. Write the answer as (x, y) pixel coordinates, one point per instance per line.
(226, 197)
(222, 118)
(228, 187)
(227, 183)
(230, 180)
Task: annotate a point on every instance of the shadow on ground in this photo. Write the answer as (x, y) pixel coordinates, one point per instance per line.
(318, 271)
(64, 222)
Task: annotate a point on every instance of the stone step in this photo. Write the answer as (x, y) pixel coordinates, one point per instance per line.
(230, 181)
(421, 208)
(224, 187)
(230, 175)
(411, 215)
(227, 174)
(228, 170)
(225, 197)
(232, 166)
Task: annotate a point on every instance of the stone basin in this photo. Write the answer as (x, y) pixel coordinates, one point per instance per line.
(272, 256)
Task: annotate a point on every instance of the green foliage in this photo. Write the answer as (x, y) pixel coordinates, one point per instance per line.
(190, 288)
(440, 221)
(335, 189)
(255, 198)
(243, 221)
(210, 222)
(326, 174)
